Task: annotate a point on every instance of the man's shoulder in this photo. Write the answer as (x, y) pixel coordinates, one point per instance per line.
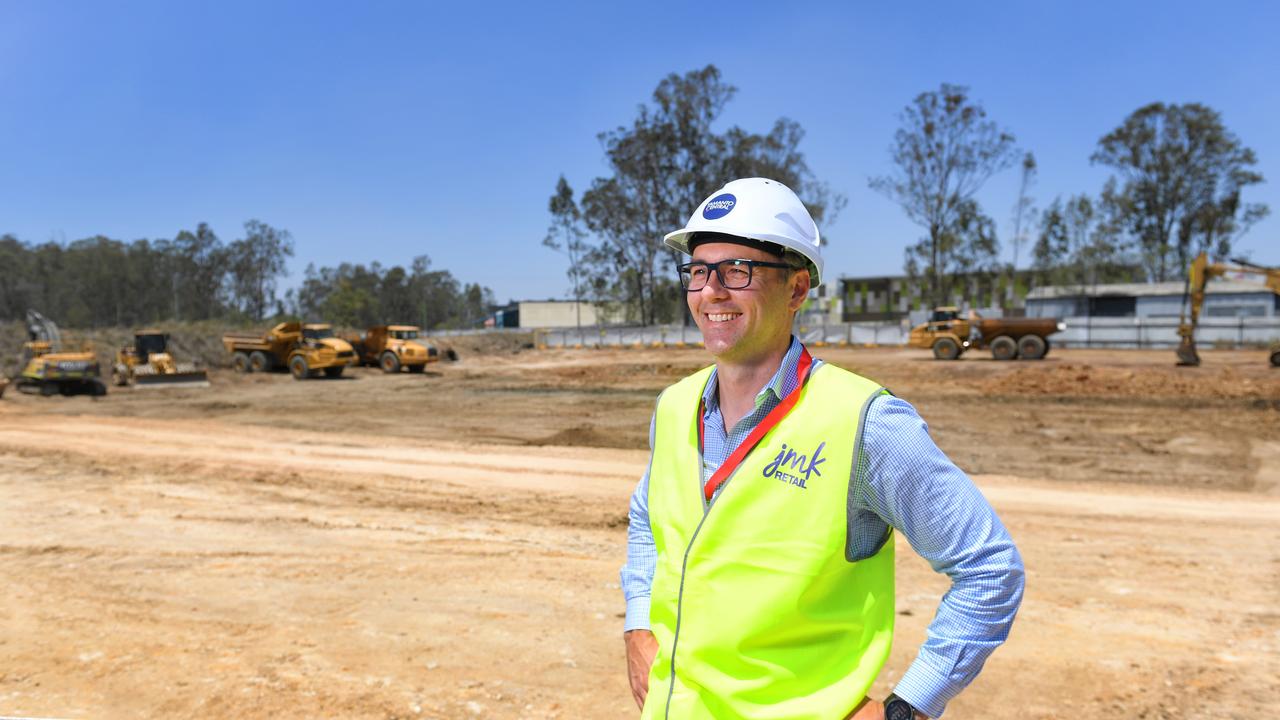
(837, 378)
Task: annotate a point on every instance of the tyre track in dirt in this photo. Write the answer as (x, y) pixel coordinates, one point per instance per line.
(574, 470)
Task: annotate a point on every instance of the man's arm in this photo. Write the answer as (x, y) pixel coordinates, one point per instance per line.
(637, 584)
(912, 485)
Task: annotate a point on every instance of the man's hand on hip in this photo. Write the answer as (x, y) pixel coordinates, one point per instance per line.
(868, 709)
(642, 646)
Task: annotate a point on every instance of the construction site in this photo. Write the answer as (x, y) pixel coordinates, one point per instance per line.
(355, 361)
(446, 544)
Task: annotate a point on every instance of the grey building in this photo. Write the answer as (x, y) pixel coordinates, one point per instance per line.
(893, 297)
(1224, 298)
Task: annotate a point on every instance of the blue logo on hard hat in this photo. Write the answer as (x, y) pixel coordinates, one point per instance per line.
(719, 206)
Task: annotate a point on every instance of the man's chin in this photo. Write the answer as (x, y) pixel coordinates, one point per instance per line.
(719, 345)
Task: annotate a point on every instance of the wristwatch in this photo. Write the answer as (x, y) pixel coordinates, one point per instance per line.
(895, 708)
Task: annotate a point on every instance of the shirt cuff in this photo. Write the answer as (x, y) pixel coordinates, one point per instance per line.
(925, 688)
(637, 614)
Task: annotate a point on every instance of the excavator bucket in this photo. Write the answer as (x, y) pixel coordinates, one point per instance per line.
(145, 378)
(1187, 354)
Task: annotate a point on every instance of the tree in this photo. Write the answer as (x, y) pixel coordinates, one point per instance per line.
(199, 274)
(1024, 208)
(255, 262)
(663, 165)
(967, 246)
(1080, 244)
(566, 235)
(945, 150)
(1180, 173)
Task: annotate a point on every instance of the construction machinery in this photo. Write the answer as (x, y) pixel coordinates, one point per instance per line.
(307, 350)
(949, 335)
(147, 363)
(48, 370)
(1198, 277)
(393, 347)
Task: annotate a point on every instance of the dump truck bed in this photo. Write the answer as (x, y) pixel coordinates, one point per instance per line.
(246, 342)
(1016, 327)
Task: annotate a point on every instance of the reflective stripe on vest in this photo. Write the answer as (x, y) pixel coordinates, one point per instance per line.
(757, 612)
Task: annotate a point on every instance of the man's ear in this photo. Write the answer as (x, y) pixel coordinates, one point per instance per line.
(800, 290)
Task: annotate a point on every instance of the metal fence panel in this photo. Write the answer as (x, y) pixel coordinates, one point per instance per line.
(1081, 332)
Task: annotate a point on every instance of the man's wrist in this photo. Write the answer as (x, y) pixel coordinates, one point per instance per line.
(896, 708)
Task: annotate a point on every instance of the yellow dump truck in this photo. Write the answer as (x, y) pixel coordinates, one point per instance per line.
(392, 347)
(147, 363)
(305, 349)
(949, 335)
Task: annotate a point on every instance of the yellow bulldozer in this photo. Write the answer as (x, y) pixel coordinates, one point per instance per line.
(48, 370)
(1201, 272)
(147, 363)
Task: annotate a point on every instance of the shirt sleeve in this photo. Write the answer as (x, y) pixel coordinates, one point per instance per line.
(642, 554)
(911, 484)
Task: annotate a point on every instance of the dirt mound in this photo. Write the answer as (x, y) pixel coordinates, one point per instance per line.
(1087, 380)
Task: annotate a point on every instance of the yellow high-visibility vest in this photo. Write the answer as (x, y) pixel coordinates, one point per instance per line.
(757, 611)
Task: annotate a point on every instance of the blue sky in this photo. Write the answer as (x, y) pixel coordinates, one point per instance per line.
(385, 130)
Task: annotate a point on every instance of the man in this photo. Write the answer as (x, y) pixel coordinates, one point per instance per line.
(759, 575)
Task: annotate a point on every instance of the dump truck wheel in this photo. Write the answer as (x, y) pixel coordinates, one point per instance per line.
(946, 349)
(1275, 359)
(389, 362)
(298, 366)
(258, 361)
(1031, 347)
(1004, 348)
(240, 361)
(417, 368)
(335, 371)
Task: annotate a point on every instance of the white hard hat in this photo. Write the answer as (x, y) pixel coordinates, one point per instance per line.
(756, 209)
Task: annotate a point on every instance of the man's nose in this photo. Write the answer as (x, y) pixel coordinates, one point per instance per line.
(714, 288)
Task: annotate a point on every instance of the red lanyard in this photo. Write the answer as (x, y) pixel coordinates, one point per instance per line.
(768, 423)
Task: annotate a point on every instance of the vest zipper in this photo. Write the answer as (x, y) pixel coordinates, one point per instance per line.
(684, 566)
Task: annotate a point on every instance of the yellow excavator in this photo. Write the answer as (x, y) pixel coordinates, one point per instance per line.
(147, 363)
(47, 370)
(1197, 280)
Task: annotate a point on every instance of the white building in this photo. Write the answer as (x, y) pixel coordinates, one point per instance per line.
(1224, 298)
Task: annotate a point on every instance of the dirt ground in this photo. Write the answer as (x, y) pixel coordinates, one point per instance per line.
(448, 545)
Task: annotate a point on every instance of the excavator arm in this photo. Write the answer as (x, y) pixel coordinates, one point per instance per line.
(1198, 276)
(42, 329)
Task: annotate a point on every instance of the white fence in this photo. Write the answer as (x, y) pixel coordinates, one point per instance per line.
(682, 335)
(1081, 332)
(1162, 332)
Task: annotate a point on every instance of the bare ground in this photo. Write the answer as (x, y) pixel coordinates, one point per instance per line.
(447, 546)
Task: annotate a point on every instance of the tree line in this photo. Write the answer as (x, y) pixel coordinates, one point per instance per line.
(1178, 177)
(101, 282)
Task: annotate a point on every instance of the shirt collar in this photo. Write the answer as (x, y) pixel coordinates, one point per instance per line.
(778, 384)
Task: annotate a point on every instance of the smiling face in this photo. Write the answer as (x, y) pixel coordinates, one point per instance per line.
(752, 324)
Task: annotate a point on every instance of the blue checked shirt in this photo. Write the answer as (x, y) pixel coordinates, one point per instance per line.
(901, 480)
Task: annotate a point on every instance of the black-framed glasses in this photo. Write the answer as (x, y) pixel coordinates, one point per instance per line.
(733, 274)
